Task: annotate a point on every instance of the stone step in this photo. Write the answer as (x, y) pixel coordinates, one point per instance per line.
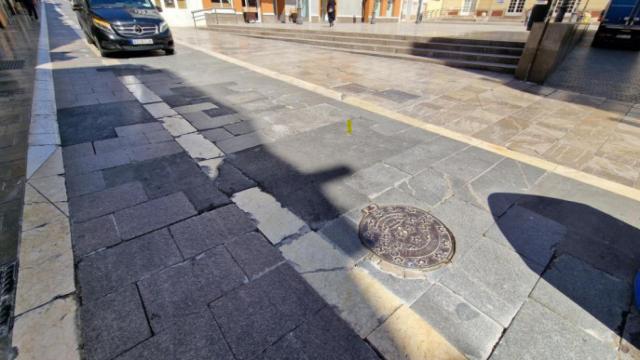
(413, 38)
(443, 54)
(477, 65)
(434, 45)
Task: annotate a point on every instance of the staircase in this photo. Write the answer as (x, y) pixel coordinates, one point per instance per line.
(499, 56)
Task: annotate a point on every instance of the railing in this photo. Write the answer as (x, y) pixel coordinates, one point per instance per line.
(201, 14)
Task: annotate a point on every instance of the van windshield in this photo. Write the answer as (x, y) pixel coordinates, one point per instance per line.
(141, 4)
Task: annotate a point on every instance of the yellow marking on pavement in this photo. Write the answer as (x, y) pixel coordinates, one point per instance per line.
(581, 176)
(349, 126)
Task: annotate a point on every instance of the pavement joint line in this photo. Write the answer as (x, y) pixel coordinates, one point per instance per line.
(574, 174)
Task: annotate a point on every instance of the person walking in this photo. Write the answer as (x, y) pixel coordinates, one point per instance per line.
(331, 11)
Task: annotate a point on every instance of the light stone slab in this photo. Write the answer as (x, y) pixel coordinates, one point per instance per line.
(48, 332)
(52, 187)
(39, 214)
(313, 253)
(159, 110)
(177, 125)
(210, 167)
(52, 166)
(198, 147)
(143, 93)
(469, 330)
(358, 298)
(274, 221)
(195, 107)
(406, 336)
(539, 333)
(46, 265)
(37, 156)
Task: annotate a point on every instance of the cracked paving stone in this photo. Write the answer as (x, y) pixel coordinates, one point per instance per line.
(194, 337)
(254, 253)
(257, 314)
(152, 215)
(113, 324)
(105, 271)
(210, 229)
(189, 287)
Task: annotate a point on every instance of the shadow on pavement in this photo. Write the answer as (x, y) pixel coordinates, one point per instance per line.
(587, 259)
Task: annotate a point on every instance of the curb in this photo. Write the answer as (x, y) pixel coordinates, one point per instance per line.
(45, 325)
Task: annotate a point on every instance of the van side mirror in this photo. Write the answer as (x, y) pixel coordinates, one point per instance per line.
(159, 8)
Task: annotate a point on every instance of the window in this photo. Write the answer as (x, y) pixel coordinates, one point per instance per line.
(515, 7)
(572, 6)
(389, 8)
(169, 3)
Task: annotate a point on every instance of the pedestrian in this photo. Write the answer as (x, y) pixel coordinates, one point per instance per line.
(31, 8)
(331, 11)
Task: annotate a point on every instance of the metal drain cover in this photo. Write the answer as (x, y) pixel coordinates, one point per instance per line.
(11, 64)
(406, 236)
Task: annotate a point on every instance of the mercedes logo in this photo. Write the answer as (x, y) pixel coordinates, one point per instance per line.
(137, 29)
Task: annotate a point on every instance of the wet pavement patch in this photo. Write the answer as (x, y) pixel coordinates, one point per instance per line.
(7, 294)
(407, 238)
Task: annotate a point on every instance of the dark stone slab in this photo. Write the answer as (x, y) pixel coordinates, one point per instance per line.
(216, 134)
(170, 174)
(468, 163)
(153, 215)
(210, 229)
(230, 180)
(195, 337)
(96, 122)
(254, 253)
(105, 271)
(219, 111)
(84, 184)
(93, 235)
(100, 203)
(257, 314)
(396, 95)
(240, 128)
(186, 288)
(91, 163)
(206, 196)
(113, 324)
(323, 336)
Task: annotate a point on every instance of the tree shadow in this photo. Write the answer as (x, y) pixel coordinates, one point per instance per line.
(587, 259)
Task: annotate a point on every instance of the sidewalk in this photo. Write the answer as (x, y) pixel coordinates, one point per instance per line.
(596, 135)
(17, 43)
(214, 214)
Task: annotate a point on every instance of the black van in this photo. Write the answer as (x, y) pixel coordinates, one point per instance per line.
(124, 25)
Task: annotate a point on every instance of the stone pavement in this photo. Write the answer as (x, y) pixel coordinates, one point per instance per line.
(17, 43)
(609, 73)
(594, 134)
(214, 211)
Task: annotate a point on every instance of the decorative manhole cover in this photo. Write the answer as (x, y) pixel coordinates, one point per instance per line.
(11, 64)
(406, 236)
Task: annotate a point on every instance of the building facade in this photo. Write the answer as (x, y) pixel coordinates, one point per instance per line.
(179, 12)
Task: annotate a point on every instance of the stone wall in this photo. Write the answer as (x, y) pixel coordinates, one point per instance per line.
(542, 56)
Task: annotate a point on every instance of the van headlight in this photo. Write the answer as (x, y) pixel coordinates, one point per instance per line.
(102, 25)
(164, 26)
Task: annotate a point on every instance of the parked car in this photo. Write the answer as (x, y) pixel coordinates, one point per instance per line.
(124, 25)
(620, 25)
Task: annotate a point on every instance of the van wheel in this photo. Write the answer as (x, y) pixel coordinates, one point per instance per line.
(169, 51)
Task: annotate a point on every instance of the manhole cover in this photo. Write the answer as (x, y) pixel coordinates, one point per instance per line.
(406, 236)
(11, 64)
